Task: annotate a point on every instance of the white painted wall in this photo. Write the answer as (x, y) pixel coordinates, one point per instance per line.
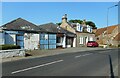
(87, 39)
(81, 40)
(74, 42)
(91, 39)
(68, 46)
(64, 41)
(31, 41)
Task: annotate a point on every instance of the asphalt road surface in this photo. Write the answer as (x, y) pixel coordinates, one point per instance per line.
(87, 63)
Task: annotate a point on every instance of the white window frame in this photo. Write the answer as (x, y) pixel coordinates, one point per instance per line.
(81, 40)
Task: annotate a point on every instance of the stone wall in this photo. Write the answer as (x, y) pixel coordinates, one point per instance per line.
(12, 53)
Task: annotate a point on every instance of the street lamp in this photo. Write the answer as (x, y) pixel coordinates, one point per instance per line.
(108, 21)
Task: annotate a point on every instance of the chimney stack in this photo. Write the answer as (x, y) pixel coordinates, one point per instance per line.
(84, 22)
(64, 18)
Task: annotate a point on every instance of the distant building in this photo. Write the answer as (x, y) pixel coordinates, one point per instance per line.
(66, 25)
(108, 35)
(21, 32)
(82, 31)
(64, 38)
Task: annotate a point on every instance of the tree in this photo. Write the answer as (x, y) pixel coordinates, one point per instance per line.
(90, 23)
(76, 21)
(58, 23)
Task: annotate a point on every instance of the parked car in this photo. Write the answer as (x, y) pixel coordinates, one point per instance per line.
(92, 44)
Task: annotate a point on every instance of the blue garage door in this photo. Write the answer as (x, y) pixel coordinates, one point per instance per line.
(52, 41)
(20, 41)
(47, 41)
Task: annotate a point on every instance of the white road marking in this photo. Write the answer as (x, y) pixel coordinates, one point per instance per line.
(36, 66)
(78, 56)
(83, 55)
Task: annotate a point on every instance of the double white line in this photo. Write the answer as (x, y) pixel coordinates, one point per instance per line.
(36, 66)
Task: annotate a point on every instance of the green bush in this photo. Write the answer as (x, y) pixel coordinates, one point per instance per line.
(9, 46)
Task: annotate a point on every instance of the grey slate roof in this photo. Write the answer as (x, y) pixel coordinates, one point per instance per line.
(24, 25)
(51, 27)
(21, 24)
(54, 28)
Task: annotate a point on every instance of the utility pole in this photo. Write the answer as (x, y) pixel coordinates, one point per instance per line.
(108, 22)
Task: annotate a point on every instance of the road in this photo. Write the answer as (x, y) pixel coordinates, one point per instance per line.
(87, 63)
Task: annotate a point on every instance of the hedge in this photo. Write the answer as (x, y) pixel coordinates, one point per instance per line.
(9, 46)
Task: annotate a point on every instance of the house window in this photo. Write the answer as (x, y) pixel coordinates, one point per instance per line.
(81, 40)
(69, 41)
(81, 28)
(58, 40)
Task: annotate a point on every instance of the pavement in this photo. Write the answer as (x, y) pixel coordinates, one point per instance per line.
(43, 53)
(86, 62)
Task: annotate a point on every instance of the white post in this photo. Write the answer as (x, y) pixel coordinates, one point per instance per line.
(74, 42)
(64, 41)
(108, 22)
(86, 39)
